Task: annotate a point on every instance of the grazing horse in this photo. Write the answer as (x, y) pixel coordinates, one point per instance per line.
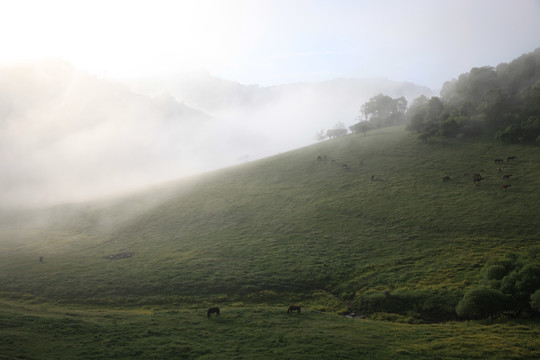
(294, 308)
(345, 167)
(510, 158)
(498, 161)
(505, 186)
(446, 178)
(212, 311)
(477, 178)
(319, 157)
(506, 176)
(41, 259)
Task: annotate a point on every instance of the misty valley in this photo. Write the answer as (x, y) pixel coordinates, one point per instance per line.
(224, 221)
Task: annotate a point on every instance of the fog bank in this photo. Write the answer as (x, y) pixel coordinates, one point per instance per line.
(66, 136)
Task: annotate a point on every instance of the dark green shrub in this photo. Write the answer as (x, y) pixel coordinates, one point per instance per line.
(481, 303)
(429, 305)
(535, 300)
(495, 272)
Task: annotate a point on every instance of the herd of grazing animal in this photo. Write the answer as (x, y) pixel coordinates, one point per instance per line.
(477, 177)
(334, 162)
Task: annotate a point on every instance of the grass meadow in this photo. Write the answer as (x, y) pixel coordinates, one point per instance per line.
(289, 229)
(41, 331)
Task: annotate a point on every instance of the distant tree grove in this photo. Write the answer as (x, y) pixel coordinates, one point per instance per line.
(503, 102)
(380, 111)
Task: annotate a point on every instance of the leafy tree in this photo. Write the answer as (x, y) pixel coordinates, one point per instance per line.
(338, 130)
(528, 280)
(361, 127)
(426, 117)
(332, 133)
(382, 110)
(449, 128)
(530, 129)
(320, 136)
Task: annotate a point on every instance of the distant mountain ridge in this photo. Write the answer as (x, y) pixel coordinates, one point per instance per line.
(209, 93)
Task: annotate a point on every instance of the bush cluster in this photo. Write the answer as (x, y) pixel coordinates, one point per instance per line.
(509, 286)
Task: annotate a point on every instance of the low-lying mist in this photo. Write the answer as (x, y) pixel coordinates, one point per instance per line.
(66, 136)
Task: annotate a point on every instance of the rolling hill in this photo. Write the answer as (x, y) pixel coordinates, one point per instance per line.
(291, 228)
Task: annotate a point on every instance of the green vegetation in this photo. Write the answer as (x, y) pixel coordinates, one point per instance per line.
(508, 287)
(401, 247)
(246, 332)
(502, 101)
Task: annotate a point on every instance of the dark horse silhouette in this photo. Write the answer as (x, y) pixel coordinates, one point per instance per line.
(212, 310)
(293, 308)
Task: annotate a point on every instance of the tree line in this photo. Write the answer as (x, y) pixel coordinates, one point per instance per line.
(379, 111)
(502, 101)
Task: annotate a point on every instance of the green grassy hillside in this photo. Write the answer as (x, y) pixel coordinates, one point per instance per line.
(291, 228)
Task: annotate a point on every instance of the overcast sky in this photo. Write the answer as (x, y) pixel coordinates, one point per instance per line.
(269, 42)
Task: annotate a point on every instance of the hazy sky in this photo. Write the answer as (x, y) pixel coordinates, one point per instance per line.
(273, 41)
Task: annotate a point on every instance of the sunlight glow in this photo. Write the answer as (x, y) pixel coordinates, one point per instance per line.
(123, 38)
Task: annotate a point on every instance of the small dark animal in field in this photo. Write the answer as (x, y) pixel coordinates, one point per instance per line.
(319, 157)
(506, 176)
(510, 158)
(505, 186)
(446, 178)
(372, 177)
(333, 161)
(361, 162)
(345, 167)
(212, 310)
(500, 169)
(499, 161)
(41, 259)
(477, 178)
(294, 308)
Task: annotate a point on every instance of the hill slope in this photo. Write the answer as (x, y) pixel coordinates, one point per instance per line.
(291, 227)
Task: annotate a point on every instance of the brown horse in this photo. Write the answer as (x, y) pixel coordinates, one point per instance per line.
(294, 308)
(505, 186)
(477, 178)
(506, 176)
(213, 310)
(446, 178)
